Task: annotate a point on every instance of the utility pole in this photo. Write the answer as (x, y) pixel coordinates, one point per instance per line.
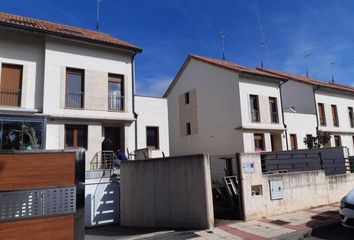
(98, 15)
(307, 68)
(223, 35)
(263, 45)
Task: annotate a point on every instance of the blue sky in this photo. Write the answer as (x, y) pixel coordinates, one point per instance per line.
(168, 30)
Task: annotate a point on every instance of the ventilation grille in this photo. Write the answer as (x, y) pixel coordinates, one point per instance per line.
(36, 203)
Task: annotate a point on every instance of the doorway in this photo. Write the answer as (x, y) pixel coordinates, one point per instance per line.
(276, 142)
(114, 134)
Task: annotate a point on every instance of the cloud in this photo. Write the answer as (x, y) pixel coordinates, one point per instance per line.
(153, 87)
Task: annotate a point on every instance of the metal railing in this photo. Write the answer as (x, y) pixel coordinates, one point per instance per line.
(274, 117)
(255, 115)
(74, 99)
(103, 160)
(115, 102)
(10, 97)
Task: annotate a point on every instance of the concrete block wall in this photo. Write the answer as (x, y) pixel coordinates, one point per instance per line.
(301, 190)
(170, 192)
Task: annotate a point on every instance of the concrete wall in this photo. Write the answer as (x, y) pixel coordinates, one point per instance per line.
(152, 112)
(301, 190)
(101, 199)
(168, 192)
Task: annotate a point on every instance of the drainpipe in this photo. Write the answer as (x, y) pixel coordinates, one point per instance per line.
(282, 114)
(314, 100)
(133, 98)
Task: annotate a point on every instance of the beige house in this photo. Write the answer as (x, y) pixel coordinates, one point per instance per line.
(64, 87)
(219, 107)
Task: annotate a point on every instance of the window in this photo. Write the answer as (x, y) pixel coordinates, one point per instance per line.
(152, 137)
(337, 141)
(335, 115)
(259, 142)
(322, 114)
(115, 92)
(293, 141)
(351, 117)
(75, 136)
(74, 95)
(186, 98)
(273, 107)
(254, 108)
(11, 83)
(188, 128)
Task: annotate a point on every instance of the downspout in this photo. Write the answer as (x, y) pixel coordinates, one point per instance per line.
(282, 114)
(133, 97)
(314, 100)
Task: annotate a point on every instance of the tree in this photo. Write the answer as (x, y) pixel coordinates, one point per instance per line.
(318, 141)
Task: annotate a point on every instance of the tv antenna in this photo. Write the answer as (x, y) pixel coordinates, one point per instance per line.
(332, 69)
(223, 36)
(263, 45)
(98, 15)
(307, 68)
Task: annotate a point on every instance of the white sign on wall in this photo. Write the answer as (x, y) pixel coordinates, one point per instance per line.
(276, 189)
(248, 167)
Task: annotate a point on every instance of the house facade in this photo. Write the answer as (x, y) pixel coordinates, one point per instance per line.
(219, 107)
(64, 87)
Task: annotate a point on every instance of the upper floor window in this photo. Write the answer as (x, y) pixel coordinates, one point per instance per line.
(273, 106)
(322, 114)
(74, 93)
(259, 142)
(11, 84)
(115, 92)
(351, 116)
(152, 137)
(254, 108)
(335, 115)
(186, 98)
(75, 136)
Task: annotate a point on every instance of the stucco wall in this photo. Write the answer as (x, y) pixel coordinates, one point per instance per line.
(301, 190)
(152, 112)
(26, 50)
(167, 192)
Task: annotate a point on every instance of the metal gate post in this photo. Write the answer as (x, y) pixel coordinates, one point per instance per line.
(80, 195)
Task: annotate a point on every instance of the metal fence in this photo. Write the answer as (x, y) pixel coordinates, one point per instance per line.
(299, 162)
(115, 102)
(103, 160)
(74, 99)
(10, 97)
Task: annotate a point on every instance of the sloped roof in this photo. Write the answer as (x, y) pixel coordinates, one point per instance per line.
(309, 81)
(225, 65)
(46, 27)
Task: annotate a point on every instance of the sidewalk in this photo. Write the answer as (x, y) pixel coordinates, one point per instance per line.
(288, 226)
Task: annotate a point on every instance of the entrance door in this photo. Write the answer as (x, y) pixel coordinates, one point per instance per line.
(114, 134)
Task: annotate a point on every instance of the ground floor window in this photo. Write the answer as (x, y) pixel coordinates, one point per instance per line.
(259, 142)
(293, 141)
(75, 136)
(152, 137)
(21, 133)
(337, 141)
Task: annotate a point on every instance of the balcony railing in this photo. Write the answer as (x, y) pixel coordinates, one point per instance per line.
(103, 160)
(274, 117)
(74, 99)
(10, 97)
(255, 115)
(115, 102)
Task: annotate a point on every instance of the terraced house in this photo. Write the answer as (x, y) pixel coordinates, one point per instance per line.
(63, 87)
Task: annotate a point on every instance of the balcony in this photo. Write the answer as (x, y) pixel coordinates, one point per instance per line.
(74, 99)
(10, 97)
(115, 103)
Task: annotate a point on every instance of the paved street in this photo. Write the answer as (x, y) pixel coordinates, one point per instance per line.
(332, 232)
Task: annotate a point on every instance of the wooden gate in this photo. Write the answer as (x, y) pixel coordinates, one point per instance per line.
(41, 195)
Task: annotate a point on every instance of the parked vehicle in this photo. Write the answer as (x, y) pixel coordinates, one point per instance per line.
(346, 210)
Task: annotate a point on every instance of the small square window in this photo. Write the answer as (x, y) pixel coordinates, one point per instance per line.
(186, 98)
(188, 128)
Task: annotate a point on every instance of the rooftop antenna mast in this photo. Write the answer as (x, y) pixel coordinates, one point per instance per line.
(223, 36)
(332, 69)
(307, 68)
(98, 15)
(263, 45)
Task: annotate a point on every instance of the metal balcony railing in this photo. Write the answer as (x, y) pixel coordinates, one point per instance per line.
(274, 117)
(10, 97)
(103, 160)
(74, 99)
(255, 115)
(115, 102)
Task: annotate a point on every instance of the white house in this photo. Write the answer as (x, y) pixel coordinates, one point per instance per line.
(322, 106)
(64, 87)
(218, 107)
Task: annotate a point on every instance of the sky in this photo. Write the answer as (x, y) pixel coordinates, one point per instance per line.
(169, 30)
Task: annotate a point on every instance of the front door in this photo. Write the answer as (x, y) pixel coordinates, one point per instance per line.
(114, 134)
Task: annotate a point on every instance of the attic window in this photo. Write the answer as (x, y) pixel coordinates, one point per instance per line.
(24, 23)
(69, 31)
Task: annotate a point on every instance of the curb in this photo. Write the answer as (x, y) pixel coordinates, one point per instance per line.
(300, 235)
